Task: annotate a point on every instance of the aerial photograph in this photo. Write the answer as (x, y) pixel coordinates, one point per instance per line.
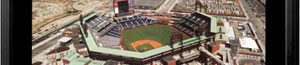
(148, 32)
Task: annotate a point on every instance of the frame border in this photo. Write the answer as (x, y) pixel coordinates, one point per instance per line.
(291, 32)
(5, 29)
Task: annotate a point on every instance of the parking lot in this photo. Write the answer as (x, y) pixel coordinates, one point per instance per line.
(217, 7)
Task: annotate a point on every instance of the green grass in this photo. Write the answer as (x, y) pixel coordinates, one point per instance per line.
(144, 47)
(157, 33)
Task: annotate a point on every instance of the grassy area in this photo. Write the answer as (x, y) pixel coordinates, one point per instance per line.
(157, 33)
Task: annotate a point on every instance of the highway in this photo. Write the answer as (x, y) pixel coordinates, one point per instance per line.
(211, 55)
(45, 46)
(167, 6)
(68, 21)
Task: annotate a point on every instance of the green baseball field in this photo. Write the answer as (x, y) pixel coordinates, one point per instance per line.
(156, 33)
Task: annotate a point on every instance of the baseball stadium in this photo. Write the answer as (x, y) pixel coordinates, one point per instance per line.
(147, 37)
(138, 40)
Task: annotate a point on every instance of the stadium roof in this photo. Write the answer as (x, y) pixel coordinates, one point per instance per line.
(153, 3)
(247, 42)
(213, 22)
(80, 61)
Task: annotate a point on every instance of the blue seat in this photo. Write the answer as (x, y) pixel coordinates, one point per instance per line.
(134, 23)
(140, 22)
(124, 25)
(135, 16)
(110, 34)
(124, 19)
(130, 18)
(148, 21)
(129, 24)
(144, 19)
(115, 33)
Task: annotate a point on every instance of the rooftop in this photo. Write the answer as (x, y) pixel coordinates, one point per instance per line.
(71, 56)
(247, 42)
(57, 56)
(222, 37)
(80, 61)
(213, 22)
(221, 29)
(65, 39)
(96, 62)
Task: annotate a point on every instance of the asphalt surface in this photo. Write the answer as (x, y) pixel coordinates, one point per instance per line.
(45, 46)
(248, 61)
(255, 21)
(167, 6)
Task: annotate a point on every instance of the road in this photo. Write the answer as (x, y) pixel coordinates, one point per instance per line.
(167, 6)
(211, 55)
(45, 46)
(258, 25)
(61, 23)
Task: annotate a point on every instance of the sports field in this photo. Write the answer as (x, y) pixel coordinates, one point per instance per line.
(153, 36)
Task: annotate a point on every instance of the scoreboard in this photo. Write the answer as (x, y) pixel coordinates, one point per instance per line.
(123, 7)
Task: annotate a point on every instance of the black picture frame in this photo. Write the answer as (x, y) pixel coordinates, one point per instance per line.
(5, 31)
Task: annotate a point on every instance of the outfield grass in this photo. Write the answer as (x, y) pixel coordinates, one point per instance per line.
(157, 33)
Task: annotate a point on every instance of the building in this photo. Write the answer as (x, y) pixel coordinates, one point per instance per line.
(148, 4)
(229, 1)
(229, 31)
(169, 60)
(72, 32)
(85, 61)
(112, 62)
(67, 33)
(221, 29)
(58, 56)
(213, 47)
(80, 61)
(248, 43)
(96, 62)
(68, 58)
(221, 38)
(64, 41)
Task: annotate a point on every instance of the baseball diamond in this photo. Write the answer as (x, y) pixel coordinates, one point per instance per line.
(155, 35)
